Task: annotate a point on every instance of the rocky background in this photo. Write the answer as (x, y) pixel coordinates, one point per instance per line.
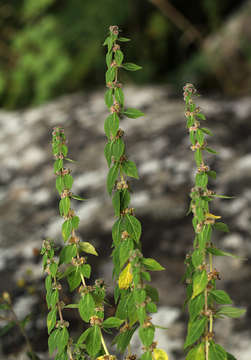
(159, 145)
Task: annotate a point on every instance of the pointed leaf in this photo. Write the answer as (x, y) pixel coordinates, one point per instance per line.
(133, 113)
(195, 330)
(112, 177)
(88, 248)
(216, 352)
(231, 312)
(86, 307)
(131, 66)
(130, 169)
(125, 278)
(199, 282)
(133, 227)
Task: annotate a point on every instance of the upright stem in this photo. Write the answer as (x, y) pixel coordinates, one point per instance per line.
(104, 345)
(23, 333)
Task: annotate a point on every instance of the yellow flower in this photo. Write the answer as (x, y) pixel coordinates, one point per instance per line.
(125, 278)
(159, 354)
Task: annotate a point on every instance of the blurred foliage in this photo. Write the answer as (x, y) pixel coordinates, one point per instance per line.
(53, 47)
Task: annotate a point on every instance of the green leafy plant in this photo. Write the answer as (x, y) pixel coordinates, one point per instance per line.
(72, 265)
(131, 268)
(205, 302)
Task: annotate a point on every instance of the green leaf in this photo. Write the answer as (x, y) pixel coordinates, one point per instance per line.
(201, 179)
(85, 270)
(123, 39)
(48, 283)
(221, 297)
(141, 312)
(75, 222)
(116, 203)
(119, 57)
(53, 298)
(123, 339)
(70, 160)
(71, 306)
(148, 356)
(200, 136)
(199, 282)
(133, 113)
(53, 268)
(196, 306)
(131, 66)
(60, 184)
(119, 96)
(195, 330)
(66, 229)
(124, 251)
(118, 148)
(124, 199)
(216, 352)
(110, 75)
(218, 252)
(68, 271)
(112, 322)
(108, 153)
(212, 174)
(211, 150)
(67, 253)
(76, 197)
(93, 341)
(109, 98)
(87, 248)
(222, 196)
(231, 312)
(116, 232)
(130, 169)
(68, 181)
(108, 126)
(108, 59)
(201, 116)
(197, 353)
(58, 165)
(151, 307)
(53, 340)
(112, 177)
(74, 279)
(207, 131)
(86, 307)
(51, 319)
(197, 258)
(111, 125)
(66, 203)
(133, 227)
(151, 264)
(198, 157)
(146, 335)
(221, 227)
(114, 124)
(83, 336)
(62, 340)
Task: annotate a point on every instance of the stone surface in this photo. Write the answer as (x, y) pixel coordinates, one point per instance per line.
(159, 144)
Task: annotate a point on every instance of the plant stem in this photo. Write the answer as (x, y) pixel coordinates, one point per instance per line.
(23, 333)
(104, 344)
